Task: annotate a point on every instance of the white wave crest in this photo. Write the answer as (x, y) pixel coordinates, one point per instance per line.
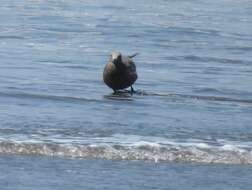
(200, 153)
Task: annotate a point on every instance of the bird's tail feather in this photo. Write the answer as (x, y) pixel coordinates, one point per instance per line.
(135, 54)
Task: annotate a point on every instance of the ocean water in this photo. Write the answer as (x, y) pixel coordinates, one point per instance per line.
(189, 126)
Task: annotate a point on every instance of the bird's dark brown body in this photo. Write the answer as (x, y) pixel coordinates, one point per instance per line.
(120, 72)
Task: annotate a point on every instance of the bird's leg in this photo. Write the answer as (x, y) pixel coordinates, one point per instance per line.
(132, 91)
(114, 91)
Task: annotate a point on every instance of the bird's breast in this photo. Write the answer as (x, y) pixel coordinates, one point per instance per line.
(118, 77)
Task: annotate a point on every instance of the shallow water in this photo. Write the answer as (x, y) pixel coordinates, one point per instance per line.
(194, 97)
(47, 173)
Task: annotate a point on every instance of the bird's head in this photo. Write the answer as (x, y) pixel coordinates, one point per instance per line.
(116, 57)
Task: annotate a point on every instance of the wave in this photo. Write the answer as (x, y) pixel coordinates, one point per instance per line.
(142, 150)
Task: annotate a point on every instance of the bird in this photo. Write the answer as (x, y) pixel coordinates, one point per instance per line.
(120, 72)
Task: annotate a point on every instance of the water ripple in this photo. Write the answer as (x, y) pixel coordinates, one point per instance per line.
(207, 59)
(122, 96)
(48, 97)
(196, 97)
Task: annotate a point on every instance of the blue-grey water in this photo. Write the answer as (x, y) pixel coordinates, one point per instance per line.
(189, 126)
